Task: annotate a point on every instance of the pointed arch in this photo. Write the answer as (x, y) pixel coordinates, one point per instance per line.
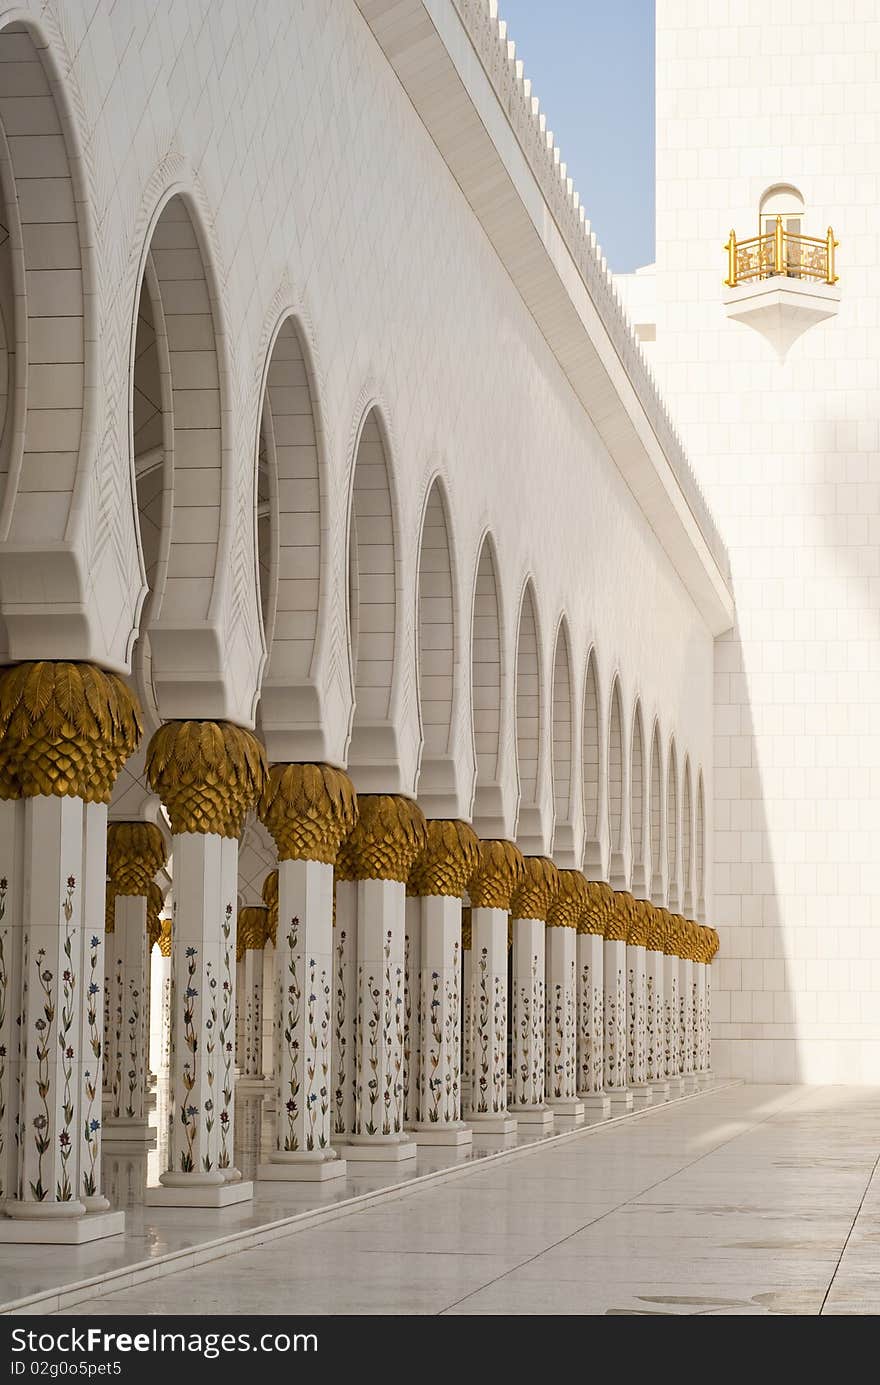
(701, 849)
(486, 685)
(591, 758)
(655, 801)
(687, 841)
(529, 712)
(615, 768)
(563, 743)
(437, 655)
(637, 786)
(672, 881)
(372, 589)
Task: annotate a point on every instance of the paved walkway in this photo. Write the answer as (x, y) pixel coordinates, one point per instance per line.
(751, 1200)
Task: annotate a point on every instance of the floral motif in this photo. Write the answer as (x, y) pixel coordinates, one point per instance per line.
(4, 981)
(290, 1028)
(340, 1035)
(91, 1121)
(188, 1111)
(227, 1054)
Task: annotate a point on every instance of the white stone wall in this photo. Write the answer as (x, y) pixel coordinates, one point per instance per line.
(748, 96)
(313, 191)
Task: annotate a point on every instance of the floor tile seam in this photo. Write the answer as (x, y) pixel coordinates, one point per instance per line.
(855, 1219)
(250, 1238)
(624, 1203)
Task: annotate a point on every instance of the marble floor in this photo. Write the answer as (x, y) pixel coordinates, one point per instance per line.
(747, 1200)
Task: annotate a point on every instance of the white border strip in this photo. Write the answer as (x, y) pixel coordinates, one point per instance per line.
(111, 1281)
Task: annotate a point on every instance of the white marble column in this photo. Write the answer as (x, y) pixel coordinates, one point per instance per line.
(637, 1005)
(615, 981)
(528, 907)
(208, 774)
(11, 936)
(253, 923)
(654, 990)
(688, 1010)
(700, 983)
(308, 809)
(68, 729)
(344, 1007)
(591, 1009)
(467, 1013)
(560, 1075)
(671, 1002)
(412, 1008)
(486, 1000)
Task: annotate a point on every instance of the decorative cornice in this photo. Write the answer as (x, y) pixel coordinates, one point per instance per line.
(448, 861)
(308, 809)
(387, 838)
(66, 730)
(496, 877)
(207, 773)
(570, 902)
(135, 852)
(533, 895)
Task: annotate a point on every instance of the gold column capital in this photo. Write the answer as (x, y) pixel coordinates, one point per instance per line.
(207, 773)
(66, 730)
(640, 924)
(252, 929)
(448, 861)
(533, 895)
(596, 907)
(135, 851)
(155, 901)
(656, 928)
(270, 899)
(619, 918)
(308, 809)
(570, 901)
(109, 908)
(165, 938)
(466, 928)
(388, 836)
(499, 871)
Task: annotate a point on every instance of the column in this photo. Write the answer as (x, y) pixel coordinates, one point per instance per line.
(713, 945)
(614, 961)
(308, 809)
(637, 1003)
(655, 1009)
(135, 852)
(591, 1005)
(671, 1005)
(253, 923)
(467, 1014)
(272, 1040)
(155, 905)
(65, 732)
(208, 774)
(112, 1002)
(687, 981)
(492, 886)
(342, 1051)
(412, 1006)
(528, 907)
(560, 1075)
(379, 854)
(700, 969)
(161, 1006)
(439, 876)
(11, 883)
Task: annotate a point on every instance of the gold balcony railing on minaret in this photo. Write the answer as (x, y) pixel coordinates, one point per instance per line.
(780, 252)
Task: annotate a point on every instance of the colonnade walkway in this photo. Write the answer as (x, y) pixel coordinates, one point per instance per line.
(745, 1200)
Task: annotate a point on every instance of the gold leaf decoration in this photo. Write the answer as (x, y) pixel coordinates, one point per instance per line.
(66, 730)
(135, 851)
(539, 883)
(617, 924)
(466, 929)
(388, 836)
(599, 904)
(308, 809)
(252, 930)
(207, 773)
(165, 938)
(270, 899)
(569, 902)
(155, 903)
(448, 861)
(109, 908)
(640, 924)
(497, 875)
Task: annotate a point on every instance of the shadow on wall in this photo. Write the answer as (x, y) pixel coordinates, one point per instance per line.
(756, 989)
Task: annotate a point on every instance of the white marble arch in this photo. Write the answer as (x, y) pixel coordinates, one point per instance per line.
(535, 819)
(567, 833)
(639, 808)
(446, 769)
(700, 850)
(302, 715)
(200, 618)
(492, 713)
(383, 749)
(594, 776)
(655, 817)
(48, 440)
(673, 853)
(620, 854)
(687, 840)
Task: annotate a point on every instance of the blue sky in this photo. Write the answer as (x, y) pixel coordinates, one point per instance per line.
(591, 63)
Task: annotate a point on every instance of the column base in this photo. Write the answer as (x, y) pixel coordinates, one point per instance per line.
(597, 1105)
(568, 1112)
(690, 1083)
(129, 1132)
(377, 1149)
(308, 1168)
(459, 1134)
(151, 1099)
(660, 1088)
(706, 1079)
(621, 1100)
(61, 1231)
(676, 1087)
(533, 1117)
(488, 1123)
(643, 1093)
(199, 1195)
(248, 1086)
